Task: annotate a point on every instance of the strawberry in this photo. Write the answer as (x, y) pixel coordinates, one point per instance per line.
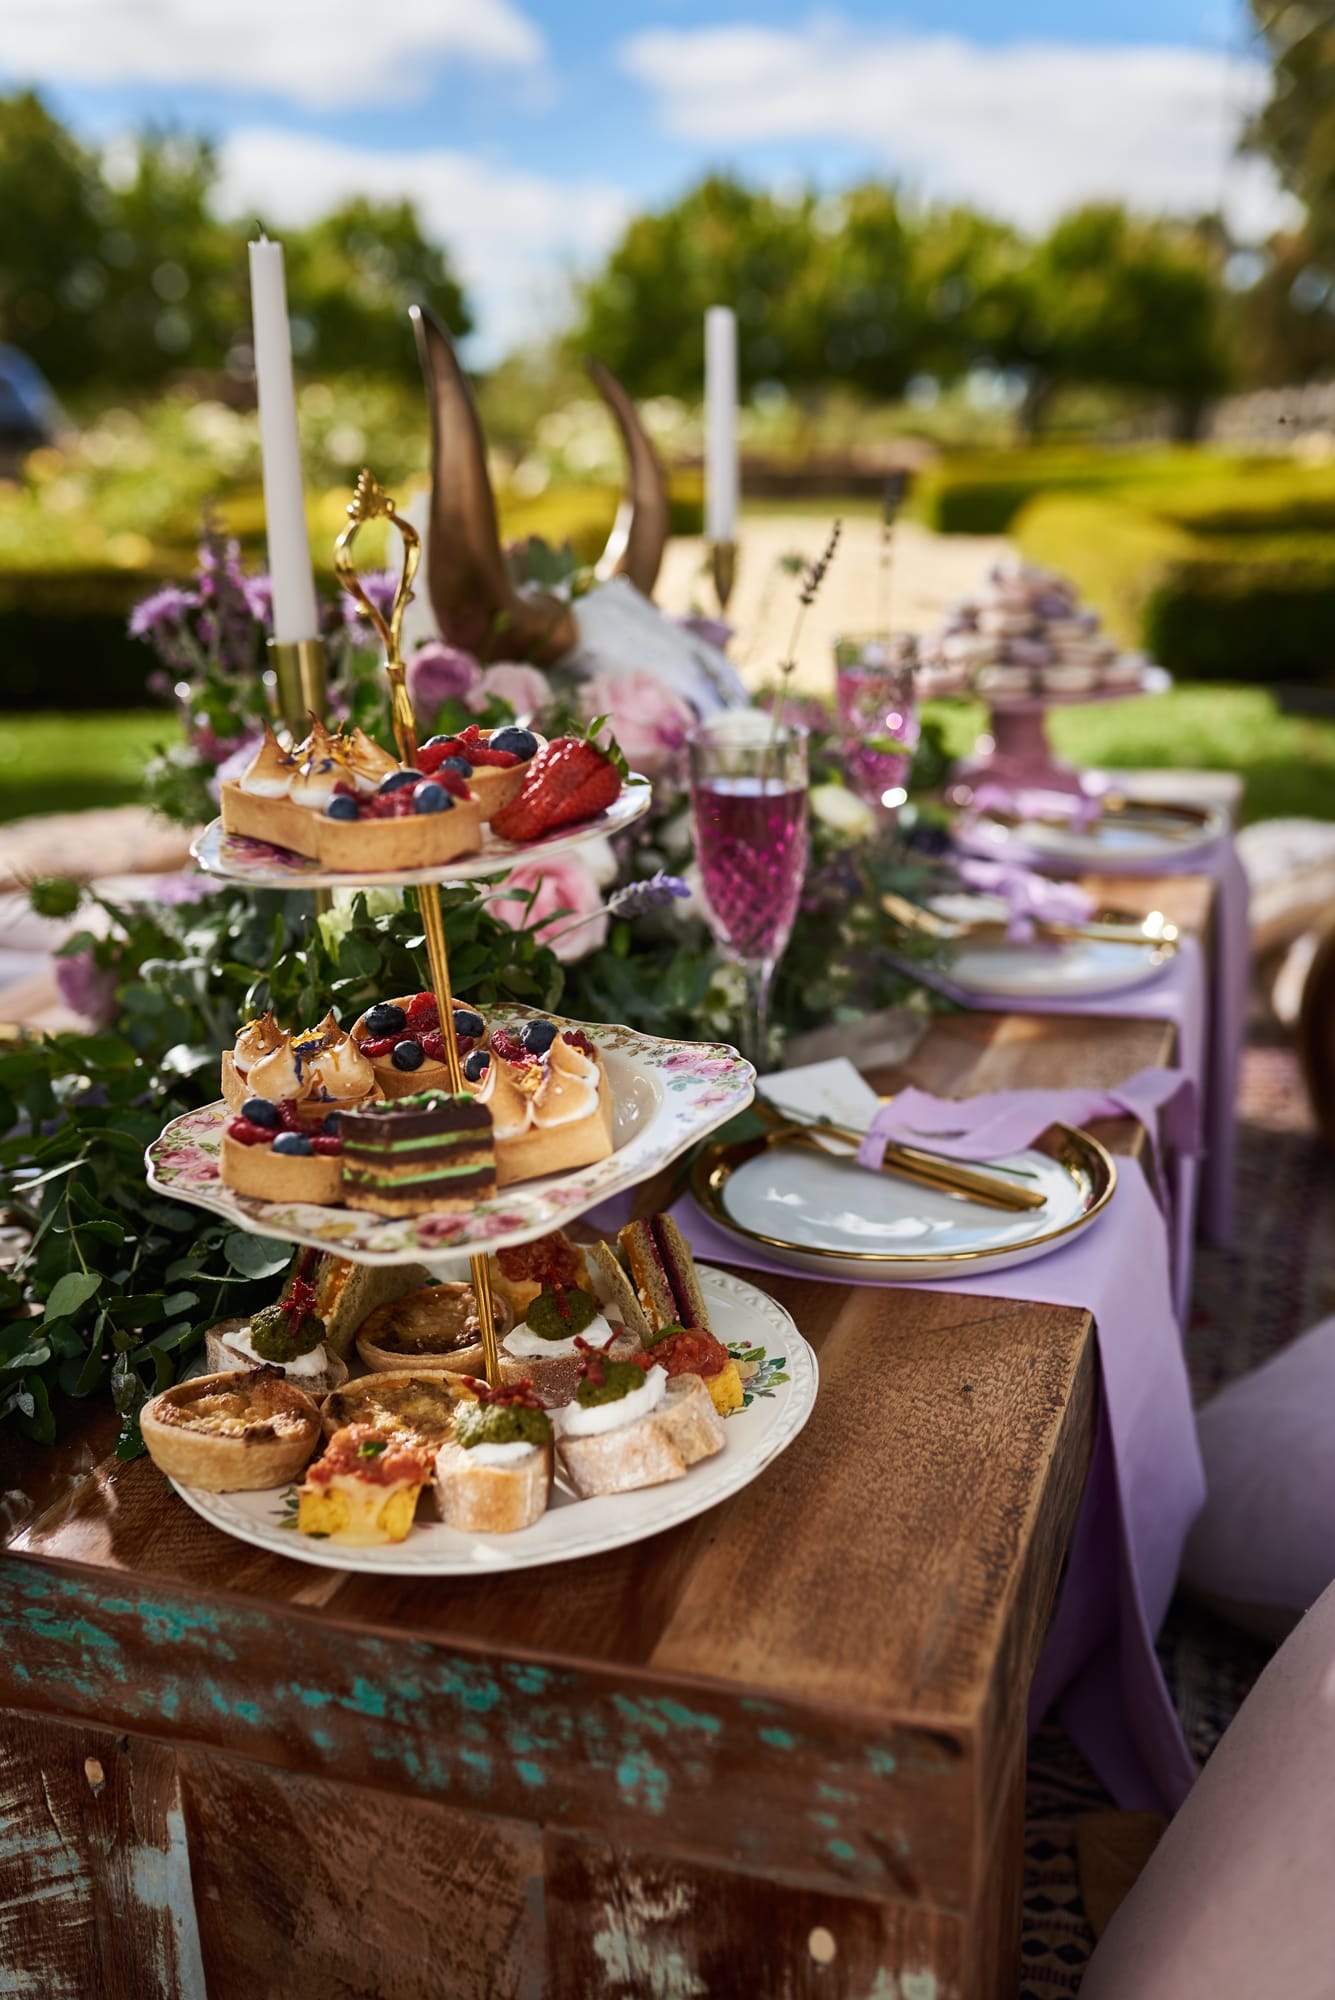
(432, 755)
(568, 780)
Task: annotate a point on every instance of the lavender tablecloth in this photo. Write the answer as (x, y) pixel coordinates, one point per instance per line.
(1177, 994)
(1145, 1484)
(1227, 1012)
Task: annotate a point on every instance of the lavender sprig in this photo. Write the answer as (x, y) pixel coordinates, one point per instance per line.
(812, 578)
(654, 893)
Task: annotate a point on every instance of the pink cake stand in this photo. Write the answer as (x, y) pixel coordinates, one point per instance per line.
(1014, 750)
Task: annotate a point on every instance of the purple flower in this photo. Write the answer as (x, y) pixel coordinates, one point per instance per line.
(258, 592)
(166, 607)
(437, 674)
(380, 586)
(86, 987)
(655, 893)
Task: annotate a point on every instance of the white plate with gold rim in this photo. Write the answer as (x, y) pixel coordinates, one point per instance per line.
(259, 865)
(781, 1394)
(1136, 833)
(1053, 969)
(826, 1214)
(667, 1095)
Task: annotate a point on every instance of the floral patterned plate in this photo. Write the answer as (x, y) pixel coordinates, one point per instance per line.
(667, 1096)
(261, 866)
(781, 1391)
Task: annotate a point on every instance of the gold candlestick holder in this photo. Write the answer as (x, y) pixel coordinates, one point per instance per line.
(301, 677)
(370, 502)
(723, 569)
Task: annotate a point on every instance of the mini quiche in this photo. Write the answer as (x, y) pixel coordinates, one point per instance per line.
(405, 1405)
(231, 1433)
(431, 1329)
(363, 1492)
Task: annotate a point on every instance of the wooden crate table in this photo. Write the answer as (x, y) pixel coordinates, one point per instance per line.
(778, 1750)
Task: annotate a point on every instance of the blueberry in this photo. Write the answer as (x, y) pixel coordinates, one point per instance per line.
(466, 1022)
(385, 1019)
(476, 1064)
(459, 765)
(341, 807)
(538, 1036)
(333, 1121)
(519, 742)
(261, 1112)
(407, 1055)
(396, 781)
(429, 797)
(293, 1142)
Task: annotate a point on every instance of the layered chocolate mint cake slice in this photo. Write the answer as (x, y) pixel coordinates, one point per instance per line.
(413, 1154)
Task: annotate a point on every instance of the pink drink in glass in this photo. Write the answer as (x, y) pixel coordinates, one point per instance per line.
(751, 844)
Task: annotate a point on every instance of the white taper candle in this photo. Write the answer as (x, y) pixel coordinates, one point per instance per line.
(721, 480)
(295, 615)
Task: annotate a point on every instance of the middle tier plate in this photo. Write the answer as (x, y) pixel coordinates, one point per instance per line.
(261, 866)
(668, 1095)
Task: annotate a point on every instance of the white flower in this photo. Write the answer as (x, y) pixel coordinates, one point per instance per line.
(843, 810)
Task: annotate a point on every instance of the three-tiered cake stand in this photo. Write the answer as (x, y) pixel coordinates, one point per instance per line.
(667, 1095)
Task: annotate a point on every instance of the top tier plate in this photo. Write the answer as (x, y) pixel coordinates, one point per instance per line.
(260, 866)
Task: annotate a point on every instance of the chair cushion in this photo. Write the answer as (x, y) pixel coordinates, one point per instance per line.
(1235, 1903)
(1266, 1535)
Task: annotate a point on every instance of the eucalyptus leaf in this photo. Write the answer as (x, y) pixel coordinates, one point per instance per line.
(256, 1256)
(72, 1293)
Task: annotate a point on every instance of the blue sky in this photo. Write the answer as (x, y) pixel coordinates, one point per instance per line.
(528, 130)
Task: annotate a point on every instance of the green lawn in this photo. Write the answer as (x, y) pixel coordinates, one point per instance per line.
(50, 762)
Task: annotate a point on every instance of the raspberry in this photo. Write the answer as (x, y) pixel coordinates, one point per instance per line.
(289, 1111)
(381, 1047)
(456, 786)
(326, 1142)
(247, 1134)
(579, 1040)
(433, 1045)
(422, 1011)
(509, 1049)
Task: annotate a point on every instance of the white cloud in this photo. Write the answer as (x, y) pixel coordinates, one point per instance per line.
(310, 52)
(1025, 130)
(513, 236)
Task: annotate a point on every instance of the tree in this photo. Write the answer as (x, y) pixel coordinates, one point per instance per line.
(351, 279)
(1296, 127)
(970, 277)
(1123, 303)
(721, 244)
(50, 273)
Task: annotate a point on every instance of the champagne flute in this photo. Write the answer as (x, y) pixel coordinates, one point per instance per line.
(749, 812)
(877, 699)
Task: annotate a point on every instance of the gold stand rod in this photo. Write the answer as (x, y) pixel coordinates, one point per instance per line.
(370, 500)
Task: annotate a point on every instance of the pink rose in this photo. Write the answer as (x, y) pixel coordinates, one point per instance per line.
(648, 720)
(524, 688)
(563, 883)
(437, 674)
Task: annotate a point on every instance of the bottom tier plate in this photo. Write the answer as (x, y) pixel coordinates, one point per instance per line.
(780, 1397)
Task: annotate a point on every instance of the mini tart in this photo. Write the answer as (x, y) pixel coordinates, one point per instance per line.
(436, 1328)
(363, 1492)
(264, 1175)
(493, 1499)
(419, 840)
(494, 785)
(429, 1075)
(548, 1115)
(414, 1406)
(233, 1432)
(321, 1372)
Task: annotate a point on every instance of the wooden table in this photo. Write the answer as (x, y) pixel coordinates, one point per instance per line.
(779, 1750)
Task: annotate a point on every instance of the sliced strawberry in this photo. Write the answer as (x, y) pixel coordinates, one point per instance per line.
(482, 753)
(432, 755)
(455, 785)
(567, 781)
(422, 1011)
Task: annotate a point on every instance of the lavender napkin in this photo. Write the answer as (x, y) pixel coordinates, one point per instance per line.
(1029, 898)
(1146, 1484)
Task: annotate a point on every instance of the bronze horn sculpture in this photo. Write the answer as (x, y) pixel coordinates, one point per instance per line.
(477, 605)
(640, 531)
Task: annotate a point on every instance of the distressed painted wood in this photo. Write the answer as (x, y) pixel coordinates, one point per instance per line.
(800, 1717)
(95, 1895)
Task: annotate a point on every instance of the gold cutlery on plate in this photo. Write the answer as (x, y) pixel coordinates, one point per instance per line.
(995, 1186)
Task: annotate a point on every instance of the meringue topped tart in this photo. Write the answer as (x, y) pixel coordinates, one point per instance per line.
(316, 1067)
(549, 1098)
(494, 1476)
(231, 1433)
(341, 800)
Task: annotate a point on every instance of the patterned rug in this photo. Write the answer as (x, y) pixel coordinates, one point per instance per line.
(1247, 1303)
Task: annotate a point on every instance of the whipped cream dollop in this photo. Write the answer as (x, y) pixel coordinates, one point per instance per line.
(525, 1345)
(573, 1420)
